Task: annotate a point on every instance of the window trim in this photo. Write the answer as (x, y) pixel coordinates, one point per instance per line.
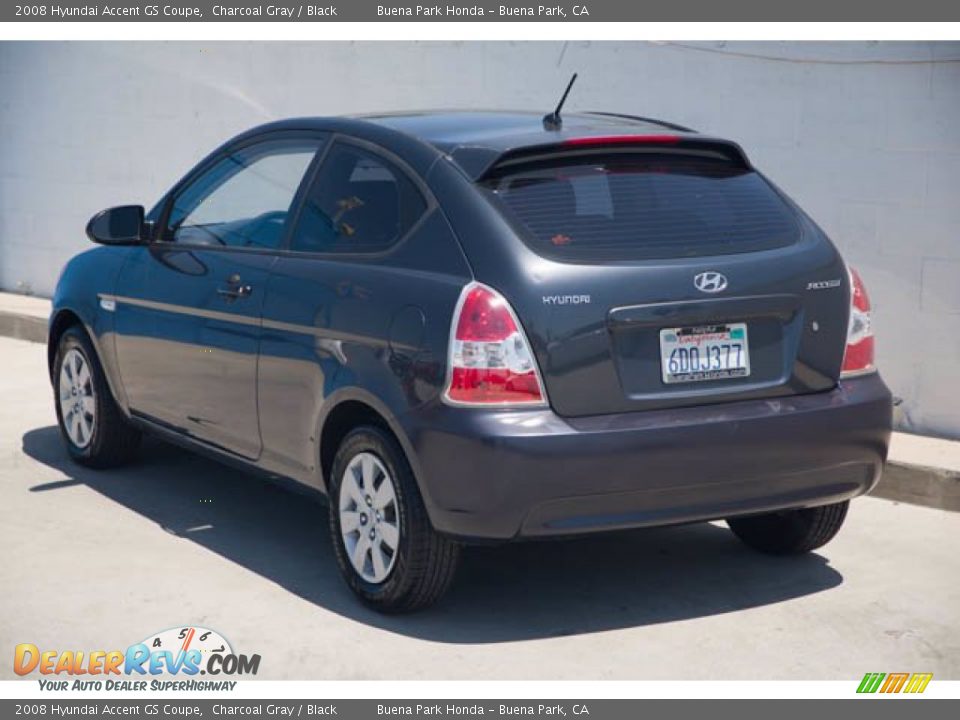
(286, 248)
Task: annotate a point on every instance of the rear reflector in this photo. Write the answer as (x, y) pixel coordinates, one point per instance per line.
(490, 362)
(858, 358)
(623, 140)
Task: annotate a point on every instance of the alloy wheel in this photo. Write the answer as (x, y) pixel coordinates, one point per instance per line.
(369, 517)
(78, 406)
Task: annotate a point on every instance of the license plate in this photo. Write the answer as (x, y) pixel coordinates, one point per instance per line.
(708, 352)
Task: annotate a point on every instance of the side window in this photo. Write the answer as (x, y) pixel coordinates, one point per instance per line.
(244, 199)
(359, 202)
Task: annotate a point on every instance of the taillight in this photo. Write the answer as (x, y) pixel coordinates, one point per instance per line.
(490, 361)
(858, 358)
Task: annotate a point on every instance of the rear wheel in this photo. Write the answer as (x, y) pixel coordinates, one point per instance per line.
(791, 532)
(386, 549)
(93, 427)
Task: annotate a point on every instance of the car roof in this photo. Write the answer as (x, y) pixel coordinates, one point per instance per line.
(507, 130)
(477, 140)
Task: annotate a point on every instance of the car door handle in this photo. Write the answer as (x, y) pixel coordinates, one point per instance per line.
(234, 291)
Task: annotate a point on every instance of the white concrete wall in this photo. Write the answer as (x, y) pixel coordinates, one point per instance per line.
(866, 136)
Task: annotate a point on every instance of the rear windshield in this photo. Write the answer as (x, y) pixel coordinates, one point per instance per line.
(633, 206)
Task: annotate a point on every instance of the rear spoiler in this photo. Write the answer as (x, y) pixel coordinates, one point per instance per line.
(479, 162)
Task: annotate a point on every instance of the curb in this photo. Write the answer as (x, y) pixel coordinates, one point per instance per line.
(920, 485)
(901, 482)
(23, 327)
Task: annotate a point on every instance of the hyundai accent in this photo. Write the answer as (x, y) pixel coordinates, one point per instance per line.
(482, 326)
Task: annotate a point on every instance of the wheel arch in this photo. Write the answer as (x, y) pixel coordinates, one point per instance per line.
(63, 319)
(66, 317)
(350, 408)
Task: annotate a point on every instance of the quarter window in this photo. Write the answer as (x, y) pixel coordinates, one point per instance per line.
(359, 202)
(244, 199)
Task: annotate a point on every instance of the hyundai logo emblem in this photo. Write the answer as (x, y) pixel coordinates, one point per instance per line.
(710, 282)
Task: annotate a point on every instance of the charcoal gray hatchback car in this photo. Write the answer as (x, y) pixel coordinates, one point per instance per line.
(482, 326)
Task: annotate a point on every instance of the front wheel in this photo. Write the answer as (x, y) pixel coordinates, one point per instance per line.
(93, 427)
(791, 532)
(386, 549)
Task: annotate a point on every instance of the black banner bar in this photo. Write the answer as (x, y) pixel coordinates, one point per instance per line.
(480, 11)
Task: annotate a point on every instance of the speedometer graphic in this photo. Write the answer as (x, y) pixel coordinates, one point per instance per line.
(186, 641)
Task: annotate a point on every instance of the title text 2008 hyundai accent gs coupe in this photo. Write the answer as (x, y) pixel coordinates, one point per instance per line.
(482, 326)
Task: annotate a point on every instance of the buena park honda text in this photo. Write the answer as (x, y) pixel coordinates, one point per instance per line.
(482, 326)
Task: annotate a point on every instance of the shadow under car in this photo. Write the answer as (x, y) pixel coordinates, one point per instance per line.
(501, 593)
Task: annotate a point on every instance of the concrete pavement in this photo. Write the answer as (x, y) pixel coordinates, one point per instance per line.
(96, 560)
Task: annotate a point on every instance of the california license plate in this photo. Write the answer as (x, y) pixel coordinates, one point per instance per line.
(708, 352)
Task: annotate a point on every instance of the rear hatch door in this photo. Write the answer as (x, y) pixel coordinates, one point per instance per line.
(666, 276)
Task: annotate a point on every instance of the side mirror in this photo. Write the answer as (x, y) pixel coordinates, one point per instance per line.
(118, 226)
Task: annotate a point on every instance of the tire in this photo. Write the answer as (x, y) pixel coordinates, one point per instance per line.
(106, 438)
(421, 567)
(791, 532)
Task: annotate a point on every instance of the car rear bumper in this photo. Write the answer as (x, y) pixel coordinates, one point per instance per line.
(497, 475)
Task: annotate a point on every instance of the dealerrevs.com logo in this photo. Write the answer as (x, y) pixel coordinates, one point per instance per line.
(156, 663)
